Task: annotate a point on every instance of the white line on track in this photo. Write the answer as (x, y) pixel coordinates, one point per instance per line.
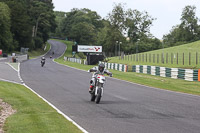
(11, 66)
(60, 112)
(18, 72)
(10, 81)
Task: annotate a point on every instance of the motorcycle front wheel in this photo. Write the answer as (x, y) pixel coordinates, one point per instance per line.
(98, 98)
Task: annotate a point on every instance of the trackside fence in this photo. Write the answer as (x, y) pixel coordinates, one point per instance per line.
(76, 60)
(115, 66)
(182, 59)
(175, 73)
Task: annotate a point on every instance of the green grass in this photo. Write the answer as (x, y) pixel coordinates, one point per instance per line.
(39, 52)
(177, 85)
(33, 114)
(75, 65)
(68, 53)
(69, 44)
(186, 49)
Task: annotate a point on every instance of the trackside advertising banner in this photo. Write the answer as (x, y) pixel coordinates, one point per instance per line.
(89, 49)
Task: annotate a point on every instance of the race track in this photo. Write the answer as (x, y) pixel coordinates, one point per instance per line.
(125, 107)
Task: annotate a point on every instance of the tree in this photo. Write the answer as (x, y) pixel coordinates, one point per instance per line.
(117, 17)
(5, 24)
(43, 20)
(20, 24)
(31, 22)
(132, 23)
(108, 36)
(82, 26)
(87, 28)
(60, 16)
(83, 33)
(187, 31)
(138, 24)
(189, 22)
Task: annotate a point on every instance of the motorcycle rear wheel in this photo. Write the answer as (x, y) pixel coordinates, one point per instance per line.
(93, 96)
(42, 64)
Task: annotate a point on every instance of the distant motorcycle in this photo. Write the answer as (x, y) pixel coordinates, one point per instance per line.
(42, 63)
(97, 92)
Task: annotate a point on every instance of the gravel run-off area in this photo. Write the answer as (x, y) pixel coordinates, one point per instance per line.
(5, 111)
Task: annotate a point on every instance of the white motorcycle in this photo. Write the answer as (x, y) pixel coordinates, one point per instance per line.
(97, 91)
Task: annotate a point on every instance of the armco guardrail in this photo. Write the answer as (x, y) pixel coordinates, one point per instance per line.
(175, 73)
(76, 60)
(18, 58)
(21, 58)
(115, 66)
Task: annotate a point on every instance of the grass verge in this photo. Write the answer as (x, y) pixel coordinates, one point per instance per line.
(33, 114)
(173, 57)
(177, 85)
(39, 52)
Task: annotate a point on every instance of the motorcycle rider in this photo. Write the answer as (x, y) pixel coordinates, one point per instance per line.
(42, 59)
(100, 69)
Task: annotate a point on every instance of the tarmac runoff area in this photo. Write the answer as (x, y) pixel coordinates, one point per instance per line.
(9, 72)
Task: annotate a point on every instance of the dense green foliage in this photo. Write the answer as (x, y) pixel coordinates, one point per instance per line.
(187, 31)
(5, 24)
(59, 19)
(86, 27)
(124, 29)
(30, 23)
(81, 26)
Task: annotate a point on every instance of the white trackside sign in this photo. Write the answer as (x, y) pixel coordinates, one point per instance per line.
(84, 48)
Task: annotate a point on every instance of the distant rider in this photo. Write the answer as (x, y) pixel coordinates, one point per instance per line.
(42, 59)
(100, 69)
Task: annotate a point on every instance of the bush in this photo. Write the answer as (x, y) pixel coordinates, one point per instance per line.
(38, 42)
(81, 55)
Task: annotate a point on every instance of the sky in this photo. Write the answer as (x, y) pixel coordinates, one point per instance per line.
(166, 12)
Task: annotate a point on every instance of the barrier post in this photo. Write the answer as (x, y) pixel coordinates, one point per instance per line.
(199, 75)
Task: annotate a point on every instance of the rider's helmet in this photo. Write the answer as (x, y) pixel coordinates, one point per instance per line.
(101, 67)
(43, 58)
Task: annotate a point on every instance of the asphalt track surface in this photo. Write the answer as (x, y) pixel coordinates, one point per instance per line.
(125, 107)
(8, 73)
